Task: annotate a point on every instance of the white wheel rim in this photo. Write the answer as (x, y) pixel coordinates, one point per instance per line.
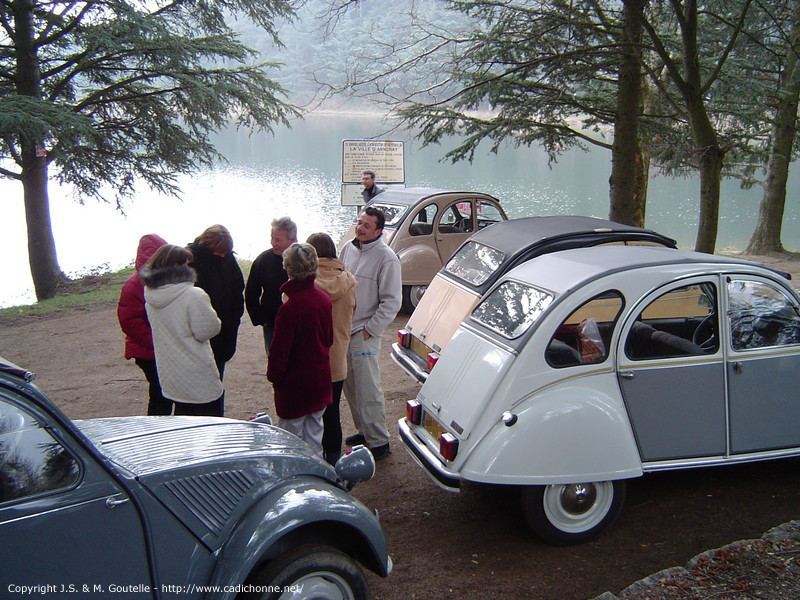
(576, 508)
(416, 294)
(321, 585)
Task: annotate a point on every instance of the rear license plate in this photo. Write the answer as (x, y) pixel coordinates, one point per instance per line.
(432, 426)
(419, 348)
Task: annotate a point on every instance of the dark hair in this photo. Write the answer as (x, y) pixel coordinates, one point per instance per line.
(167, 256)
(217, 238)
(370, 173)
(323, 244)
(380, 218)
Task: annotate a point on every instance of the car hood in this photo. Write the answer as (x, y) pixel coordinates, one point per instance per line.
(146, 445)
(207, 471)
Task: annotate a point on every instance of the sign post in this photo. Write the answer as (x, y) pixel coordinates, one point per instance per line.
(383, 157)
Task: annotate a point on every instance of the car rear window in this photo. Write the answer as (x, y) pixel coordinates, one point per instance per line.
(393, 212)
(474, 263)
(512, 308)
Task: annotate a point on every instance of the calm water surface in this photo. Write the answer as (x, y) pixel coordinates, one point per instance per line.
(297, 172)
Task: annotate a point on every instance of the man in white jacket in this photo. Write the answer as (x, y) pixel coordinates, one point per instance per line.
(378, 299)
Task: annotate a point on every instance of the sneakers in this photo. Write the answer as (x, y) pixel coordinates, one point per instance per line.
(379, 452)
(355, 439)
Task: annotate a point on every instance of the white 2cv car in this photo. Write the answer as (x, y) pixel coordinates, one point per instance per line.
(584, 368)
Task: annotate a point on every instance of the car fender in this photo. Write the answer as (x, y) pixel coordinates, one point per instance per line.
(576, 431)
(419, 264)
(285, 517)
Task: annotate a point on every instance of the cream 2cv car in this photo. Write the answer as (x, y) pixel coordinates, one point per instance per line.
(584, 368)
(424, 226)
(481, 261)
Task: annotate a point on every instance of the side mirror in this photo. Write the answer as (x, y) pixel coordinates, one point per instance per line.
(356, 466)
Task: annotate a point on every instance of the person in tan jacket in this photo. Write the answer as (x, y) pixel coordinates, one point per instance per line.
(340, 285)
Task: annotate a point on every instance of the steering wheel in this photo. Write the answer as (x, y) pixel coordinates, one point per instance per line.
(705, 335)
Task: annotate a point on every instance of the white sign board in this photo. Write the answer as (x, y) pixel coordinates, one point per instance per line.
(351, 194)
(384, 157)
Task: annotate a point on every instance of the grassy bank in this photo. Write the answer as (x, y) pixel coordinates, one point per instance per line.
(82, 291)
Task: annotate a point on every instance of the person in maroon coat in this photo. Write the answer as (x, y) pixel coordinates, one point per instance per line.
(298, 363)
(133, 321)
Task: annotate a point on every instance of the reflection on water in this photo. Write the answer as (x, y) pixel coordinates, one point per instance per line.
(297, 172)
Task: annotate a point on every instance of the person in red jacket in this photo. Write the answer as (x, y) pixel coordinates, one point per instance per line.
(298, 364)
(133, 321)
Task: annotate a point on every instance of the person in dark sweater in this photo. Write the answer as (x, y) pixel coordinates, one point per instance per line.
(262, 294)
(219, 275)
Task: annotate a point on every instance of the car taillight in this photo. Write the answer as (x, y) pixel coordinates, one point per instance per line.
(430, 362)
(448, 446)
(414, 412)
(404, 338)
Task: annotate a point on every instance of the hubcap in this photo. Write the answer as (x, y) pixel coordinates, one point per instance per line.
(319, 586)
(579, 498)
(417, 291)
(578, 507)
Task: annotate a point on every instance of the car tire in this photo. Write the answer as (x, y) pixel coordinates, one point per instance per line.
(412, 294)
(311, 571)
(567, 514)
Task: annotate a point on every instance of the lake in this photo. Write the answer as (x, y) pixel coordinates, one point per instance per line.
(297, 172)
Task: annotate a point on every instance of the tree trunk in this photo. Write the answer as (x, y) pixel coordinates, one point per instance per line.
(42, 257)
(710, 178)
(628, 181)
(767, 235)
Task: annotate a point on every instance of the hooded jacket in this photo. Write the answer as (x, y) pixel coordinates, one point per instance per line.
(183, 321)
(340, 285)
(130, 309)
(299, 365)
(222, 280)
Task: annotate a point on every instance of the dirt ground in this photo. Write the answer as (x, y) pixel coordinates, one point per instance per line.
(447, 546)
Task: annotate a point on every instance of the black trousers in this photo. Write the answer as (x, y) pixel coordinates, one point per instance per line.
(332, 435)
(157, 405)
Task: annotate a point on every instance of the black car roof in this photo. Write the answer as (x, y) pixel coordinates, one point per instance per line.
(523, 239)
(516, 234)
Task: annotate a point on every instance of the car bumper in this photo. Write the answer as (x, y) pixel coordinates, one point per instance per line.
(441, 475)
(404, 359)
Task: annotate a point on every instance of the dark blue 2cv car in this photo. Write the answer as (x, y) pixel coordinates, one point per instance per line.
(174, 507)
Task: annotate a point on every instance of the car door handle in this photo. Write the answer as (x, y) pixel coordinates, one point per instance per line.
(737, 367)
(115, 501)
(627, 374)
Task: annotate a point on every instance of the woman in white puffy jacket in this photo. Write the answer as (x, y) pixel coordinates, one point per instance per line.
(183, 322)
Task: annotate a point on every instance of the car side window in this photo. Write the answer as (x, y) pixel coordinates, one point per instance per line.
(761, 316)
(457, 218)
(584, 337)
(422, 223)
(32, 462)
(488, 214)
(680, 322)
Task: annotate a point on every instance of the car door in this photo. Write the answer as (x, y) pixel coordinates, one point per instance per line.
(455, 223)
(764, 366)
(671, 372)
(64, 521)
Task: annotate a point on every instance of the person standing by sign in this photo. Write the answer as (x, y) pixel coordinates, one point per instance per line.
(370, 189)
(262, 294)
(378, 297)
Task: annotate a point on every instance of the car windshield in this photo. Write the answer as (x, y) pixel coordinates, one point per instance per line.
(474, 263)
(393, 212)
(512, 308)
